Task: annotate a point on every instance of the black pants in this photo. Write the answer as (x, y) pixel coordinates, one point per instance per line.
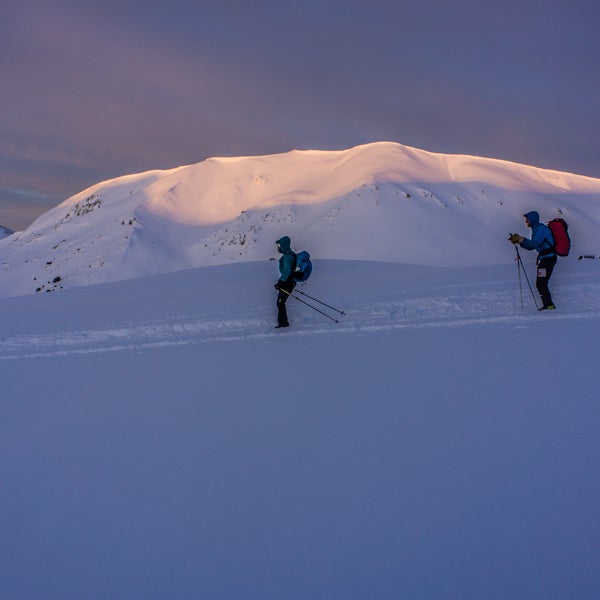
(544, 272)
(282, 297)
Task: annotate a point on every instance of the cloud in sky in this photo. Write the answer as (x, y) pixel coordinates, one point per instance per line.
(95, 90)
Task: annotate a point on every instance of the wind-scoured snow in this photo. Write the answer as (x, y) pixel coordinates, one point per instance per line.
(381, 201)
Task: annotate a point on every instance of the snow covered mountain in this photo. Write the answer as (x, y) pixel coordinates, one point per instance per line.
(381, 201)
(159, 438)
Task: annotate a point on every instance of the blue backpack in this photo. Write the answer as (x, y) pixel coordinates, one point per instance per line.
(303, 266)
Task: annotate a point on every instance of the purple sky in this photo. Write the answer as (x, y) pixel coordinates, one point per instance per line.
(94, 90)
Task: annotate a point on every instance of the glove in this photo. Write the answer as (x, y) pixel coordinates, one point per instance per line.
(515, 238)
(278, 285)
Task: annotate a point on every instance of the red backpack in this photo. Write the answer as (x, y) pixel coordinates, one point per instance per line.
(560, 231)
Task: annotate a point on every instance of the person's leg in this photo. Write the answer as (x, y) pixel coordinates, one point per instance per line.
(282, 318)
(544, 272)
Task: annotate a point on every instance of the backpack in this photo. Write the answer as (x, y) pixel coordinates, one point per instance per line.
(560, 231)
(303, 266)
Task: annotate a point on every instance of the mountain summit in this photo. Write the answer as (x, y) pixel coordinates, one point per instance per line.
(381, 201)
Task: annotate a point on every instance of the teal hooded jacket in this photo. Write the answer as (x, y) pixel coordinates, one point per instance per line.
(287, 262)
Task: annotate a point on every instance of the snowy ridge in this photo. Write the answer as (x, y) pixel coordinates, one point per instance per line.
(381, 201)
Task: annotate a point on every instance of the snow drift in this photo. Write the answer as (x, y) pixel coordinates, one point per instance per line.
(381, 201)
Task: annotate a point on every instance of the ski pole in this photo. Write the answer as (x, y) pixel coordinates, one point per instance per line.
(526, 277)
(520, 284)
(310, 305)
(323, 303)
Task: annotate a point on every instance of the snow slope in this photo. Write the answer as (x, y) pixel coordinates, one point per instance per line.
(382, 201)
(159, 439)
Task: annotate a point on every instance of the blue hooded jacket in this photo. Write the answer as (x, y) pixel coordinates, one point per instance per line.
(541, 240)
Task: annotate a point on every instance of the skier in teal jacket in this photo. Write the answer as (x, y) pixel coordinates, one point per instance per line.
(286, 283)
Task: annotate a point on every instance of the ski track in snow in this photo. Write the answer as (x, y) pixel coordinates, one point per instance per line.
(444, 311)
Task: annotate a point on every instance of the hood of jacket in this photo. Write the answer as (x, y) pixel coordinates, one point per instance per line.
(534, 218)
(284, 244)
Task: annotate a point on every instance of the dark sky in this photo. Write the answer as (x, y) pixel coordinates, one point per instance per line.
(94, 90)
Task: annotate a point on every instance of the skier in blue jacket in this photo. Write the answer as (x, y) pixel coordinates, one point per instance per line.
(542, 241)
(286, 282)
